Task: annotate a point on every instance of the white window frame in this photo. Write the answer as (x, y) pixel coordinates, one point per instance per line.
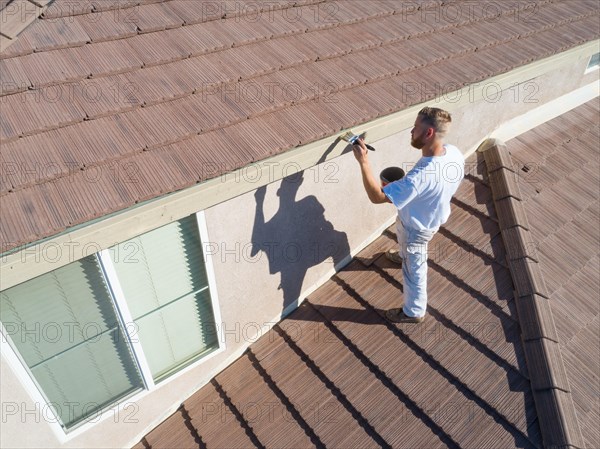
(592, 68)
(19, 368)
(124, 313)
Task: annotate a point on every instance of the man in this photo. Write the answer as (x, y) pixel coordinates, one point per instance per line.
(422, 198)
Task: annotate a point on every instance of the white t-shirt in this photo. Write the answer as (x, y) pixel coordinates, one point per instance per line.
(423, 196)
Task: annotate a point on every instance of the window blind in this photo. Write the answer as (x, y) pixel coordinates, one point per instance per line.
(163, 278)
(65, 327)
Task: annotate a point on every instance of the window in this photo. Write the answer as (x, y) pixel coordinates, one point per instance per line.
(164, 282)
(66, 329)
(594, 63)
(115, 323)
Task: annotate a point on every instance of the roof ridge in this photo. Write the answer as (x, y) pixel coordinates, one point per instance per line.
(18, 15)
(190, 24)
(549, 380)
(322, 28)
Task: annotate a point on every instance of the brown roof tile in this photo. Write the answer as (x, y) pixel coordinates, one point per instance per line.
(58, 33)
(66, 8)
(161, 124)
(50, 67)
(14, 77)
(302, 387)
(151, 85)
(210, 410)
(498, 157)
(45, 109)
(40, 201)
(29, 165)
(113, 5)
(105, 96)
(162, 48)
(4, 43)
(181, 436)
(106, 58)
(153, 17)
(406, 368)
(107, 25)
(190, 13)
(580, 357)
(507, 184)
(527, 277)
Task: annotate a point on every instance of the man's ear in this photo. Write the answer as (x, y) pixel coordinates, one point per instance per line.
(430, 133)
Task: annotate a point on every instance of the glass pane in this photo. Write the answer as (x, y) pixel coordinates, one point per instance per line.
(160, 266)
(65, 327)
(164, 282)
(102, 377)
(175, 335)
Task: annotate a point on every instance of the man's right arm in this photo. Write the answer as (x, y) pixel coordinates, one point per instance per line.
(372, 187)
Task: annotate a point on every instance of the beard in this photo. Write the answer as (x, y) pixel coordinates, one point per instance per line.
(417, 142)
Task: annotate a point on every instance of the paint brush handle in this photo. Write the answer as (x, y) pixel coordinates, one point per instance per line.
(354, 141)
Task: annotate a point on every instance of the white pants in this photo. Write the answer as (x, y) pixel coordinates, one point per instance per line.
(413, 251)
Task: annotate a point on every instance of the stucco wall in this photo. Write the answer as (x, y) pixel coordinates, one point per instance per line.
(262, 265)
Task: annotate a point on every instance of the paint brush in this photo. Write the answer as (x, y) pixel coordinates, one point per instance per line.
(352, 138)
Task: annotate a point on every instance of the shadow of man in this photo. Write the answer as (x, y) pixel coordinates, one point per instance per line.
(296, 238)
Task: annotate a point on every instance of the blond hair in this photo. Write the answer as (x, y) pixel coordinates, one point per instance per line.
(437, 119)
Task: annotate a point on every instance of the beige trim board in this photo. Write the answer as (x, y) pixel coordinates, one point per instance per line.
(58, 251)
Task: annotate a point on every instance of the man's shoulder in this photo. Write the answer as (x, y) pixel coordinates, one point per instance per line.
(454, 152)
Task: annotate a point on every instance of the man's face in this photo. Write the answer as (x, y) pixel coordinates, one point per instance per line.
(418, 134)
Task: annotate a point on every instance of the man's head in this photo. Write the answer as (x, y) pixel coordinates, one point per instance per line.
(431, 124)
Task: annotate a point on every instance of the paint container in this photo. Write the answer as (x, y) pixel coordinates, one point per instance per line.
(391, 174)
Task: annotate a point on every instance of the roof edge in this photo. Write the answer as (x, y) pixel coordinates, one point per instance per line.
(549, 380)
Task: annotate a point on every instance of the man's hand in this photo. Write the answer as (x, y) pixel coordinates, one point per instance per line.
(360, 151)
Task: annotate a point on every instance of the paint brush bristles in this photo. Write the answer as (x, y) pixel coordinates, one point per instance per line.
(352, 138)
(348, 136)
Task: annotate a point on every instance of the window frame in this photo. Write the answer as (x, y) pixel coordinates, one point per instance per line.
(44, 411)
(590, 69)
